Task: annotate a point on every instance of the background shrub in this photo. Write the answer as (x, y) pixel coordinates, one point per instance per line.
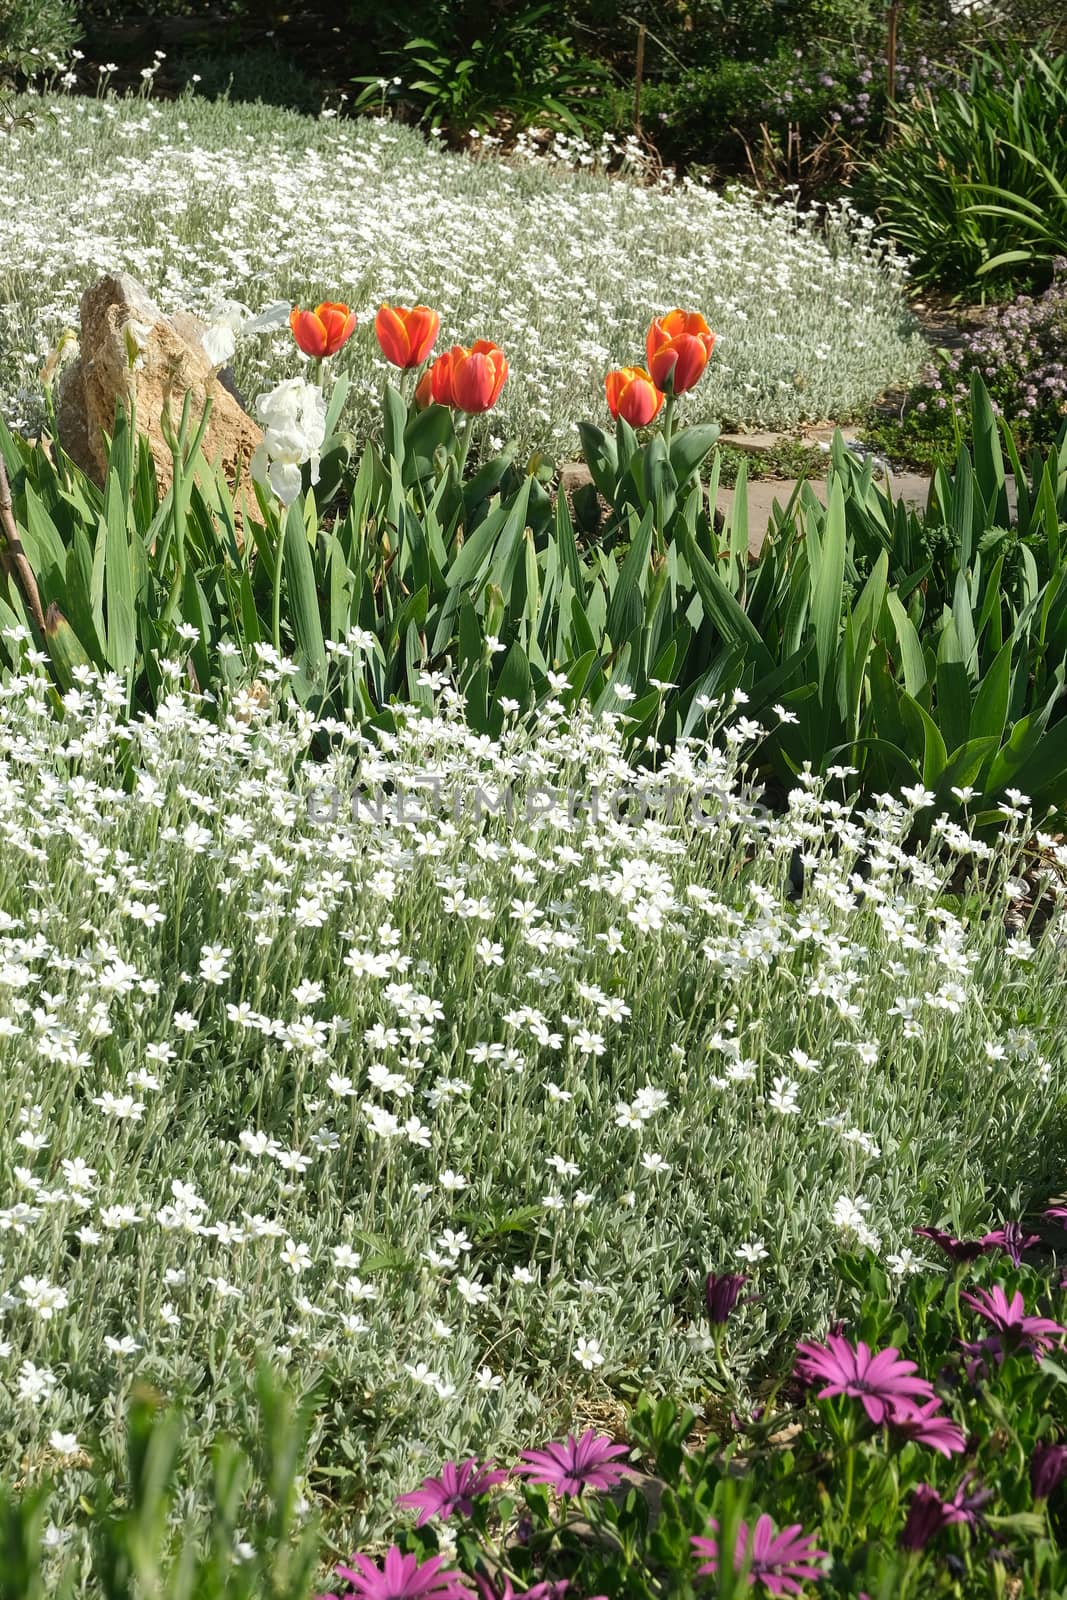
(971, 184)
(35, 25)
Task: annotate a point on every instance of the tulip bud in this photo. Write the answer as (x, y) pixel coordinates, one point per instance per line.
(469, 380)
(406, 336)
(678, 347)
(322, 332)
(633, 396)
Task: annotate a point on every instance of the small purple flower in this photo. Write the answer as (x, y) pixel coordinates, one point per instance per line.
(721, 1292)
(955, 1249)
(927, 1515)
(1010, 1239)
(880, 1379)
(402, 1577)
(782, 1562)
(1048, 1465)
(967, 1506)
(455, 1490)
(575, 1465)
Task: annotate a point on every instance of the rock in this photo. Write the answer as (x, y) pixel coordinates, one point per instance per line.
(117, 314)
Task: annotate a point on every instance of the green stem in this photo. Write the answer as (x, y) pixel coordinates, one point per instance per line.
(276, 601)
(668, 422)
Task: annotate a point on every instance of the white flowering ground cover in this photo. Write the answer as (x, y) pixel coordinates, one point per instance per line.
(450, 1109)
(205, 202)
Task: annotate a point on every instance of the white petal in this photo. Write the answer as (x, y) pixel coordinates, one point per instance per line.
(285, 480)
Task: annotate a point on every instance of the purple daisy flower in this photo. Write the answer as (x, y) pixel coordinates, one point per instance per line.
(1011, 1240)
(576, 1465)
(880, 1379)
(927, 1425)
(1012, 1326)
(780, 1561)
(459, 1485)
(927, 1515)
(402, 1577)
(956, 1249)
(721, 1292)
(1048, 1465)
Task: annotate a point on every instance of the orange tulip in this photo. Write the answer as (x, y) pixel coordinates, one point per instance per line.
(678, 347)
(406, 337)
(632, 396)
(424, 390)
(470, 380)
(322, 332)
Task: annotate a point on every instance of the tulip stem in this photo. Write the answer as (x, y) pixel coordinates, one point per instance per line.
(276, 603)
(465, 447)
(668, 422)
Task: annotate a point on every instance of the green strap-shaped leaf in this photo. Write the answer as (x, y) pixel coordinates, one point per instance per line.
(299, 583)
(829, 583)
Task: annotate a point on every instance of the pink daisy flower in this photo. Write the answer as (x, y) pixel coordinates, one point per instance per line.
(576, 1465)
(780, 1561)
(880, 1379)
(402, 1577)
(455, 1490)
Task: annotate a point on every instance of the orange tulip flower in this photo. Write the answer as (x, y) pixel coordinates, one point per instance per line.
(322, 332)
(406, 337)
(424, 390)
(678, 347)
(632, 396)
(470, 380)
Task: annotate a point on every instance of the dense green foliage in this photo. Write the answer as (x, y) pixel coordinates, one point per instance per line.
(35, 28)
(971, 184)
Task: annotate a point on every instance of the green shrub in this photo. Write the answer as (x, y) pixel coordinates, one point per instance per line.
(35, 26)
(260, 73)
(971, 184)
(479, 70)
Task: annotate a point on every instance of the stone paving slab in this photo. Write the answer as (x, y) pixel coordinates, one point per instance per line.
(911, 487)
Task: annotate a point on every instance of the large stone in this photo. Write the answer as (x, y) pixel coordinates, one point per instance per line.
(117, 317)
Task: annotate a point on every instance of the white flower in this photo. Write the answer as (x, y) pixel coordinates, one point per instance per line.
(293, 415)
(588, 1353)
(43, 1297)
(231, 319)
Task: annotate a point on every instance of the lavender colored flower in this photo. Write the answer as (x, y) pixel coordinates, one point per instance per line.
(780, 1561)
(721, 1292)
(927, 1425)
(1048, 1465)
(1010, 1239)
(880, 1379)
(402, 1577)
(1013, 1328)
(576, 1465)
(455, 1490)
